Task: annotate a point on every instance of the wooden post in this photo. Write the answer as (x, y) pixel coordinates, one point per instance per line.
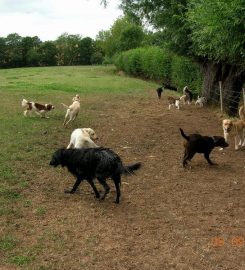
(221, 96)
(243, 91)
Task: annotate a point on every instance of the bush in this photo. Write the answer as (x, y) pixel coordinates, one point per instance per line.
(159, 64)
(185, 72)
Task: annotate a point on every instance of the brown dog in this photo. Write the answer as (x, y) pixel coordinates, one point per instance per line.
(236, 129)
(173, 102)
(38, 108)
(196, 143)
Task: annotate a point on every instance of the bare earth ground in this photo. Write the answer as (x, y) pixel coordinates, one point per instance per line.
(168, 217)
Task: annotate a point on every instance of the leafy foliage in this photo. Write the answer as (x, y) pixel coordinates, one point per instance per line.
(217, 29)
(123, 35)
(161, 65)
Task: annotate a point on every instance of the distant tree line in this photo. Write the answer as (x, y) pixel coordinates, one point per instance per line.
(17, 51)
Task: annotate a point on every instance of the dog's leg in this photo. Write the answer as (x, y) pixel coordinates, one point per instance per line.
(66, 116)
(185, 159)
(68, 122)
(117, 182)
(69, 145)
(105, 186)
(77, 183)
(226, 136)
(237, 142)
(188, 156)
(43, 113)
(206, 155)
(96, 192)
(243, 138)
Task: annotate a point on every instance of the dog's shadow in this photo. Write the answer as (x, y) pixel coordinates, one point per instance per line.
(201, 166)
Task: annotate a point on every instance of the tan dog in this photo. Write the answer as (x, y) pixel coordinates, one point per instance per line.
(236, 129)
(242, 113)
(72, 110)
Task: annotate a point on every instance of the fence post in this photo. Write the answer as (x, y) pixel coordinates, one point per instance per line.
(221, 96)
(243, 90)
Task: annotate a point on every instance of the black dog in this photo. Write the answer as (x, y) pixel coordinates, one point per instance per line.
(196, 143)
(159, 92)
(88, 164)
(164, 85)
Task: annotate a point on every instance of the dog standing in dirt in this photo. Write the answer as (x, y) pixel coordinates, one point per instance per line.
(201, 101)
(91, 163)
(196, 143)
(159, 90)
(187, 96)
(236, 129)
(72, 110)
(83, 138)
(173, 102)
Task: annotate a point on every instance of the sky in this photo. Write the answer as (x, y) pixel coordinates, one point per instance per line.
(48, 19)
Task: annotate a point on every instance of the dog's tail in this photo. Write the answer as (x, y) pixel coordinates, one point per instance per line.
(24, 102)
(183, 134)
(242, 113)
(67, 107)
(131, 168)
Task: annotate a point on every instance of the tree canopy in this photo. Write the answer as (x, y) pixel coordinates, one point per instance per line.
(212, 29)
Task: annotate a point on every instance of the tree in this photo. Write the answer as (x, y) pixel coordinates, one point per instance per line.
(30, 47)
(86, 50)
(123, 35)
(131, 37)
(13, 51)
(3, 49)
(217, 34)
(48, 52)
(209, 31)
(68, 49)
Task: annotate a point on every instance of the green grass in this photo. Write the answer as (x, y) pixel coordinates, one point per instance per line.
(24, 139)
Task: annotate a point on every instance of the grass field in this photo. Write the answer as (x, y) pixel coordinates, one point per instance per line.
(27, 143)
(168, 217)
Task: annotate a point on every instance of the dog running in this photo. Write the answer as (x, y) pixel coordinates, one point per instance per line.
(196, 143)
(88, 164)
(38, 108)
(72, 110)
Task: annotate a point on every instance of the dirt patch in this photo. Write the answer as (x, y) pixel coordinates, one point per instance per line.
(168, 217)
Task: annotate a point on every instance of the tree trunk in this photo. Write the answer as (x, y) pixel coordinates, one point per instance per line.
(232, 78)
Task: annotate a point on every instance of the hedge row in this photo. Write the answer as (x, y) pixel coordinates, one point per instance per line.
(160, 65)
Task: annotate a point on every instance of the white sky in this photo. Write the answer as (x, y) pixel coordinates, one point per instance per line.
(48, 19)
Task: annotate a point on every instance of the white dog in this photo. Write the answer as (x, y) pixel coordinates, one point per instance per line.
(201, 101)
(72, 110)
(82, 138)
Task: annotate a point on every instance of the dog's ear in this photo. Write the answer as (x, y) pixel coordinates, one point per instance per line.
(218, 139)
